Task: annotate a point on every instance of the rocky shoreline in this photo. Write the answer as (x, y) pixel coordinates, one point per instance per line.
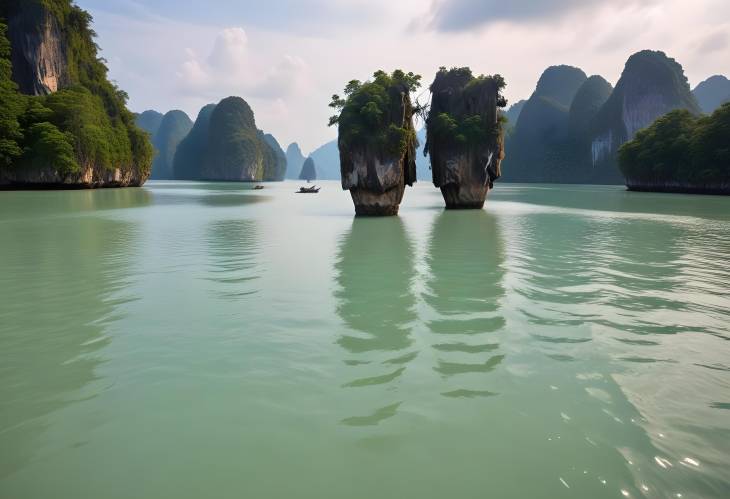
(678, 188)
(89, 178)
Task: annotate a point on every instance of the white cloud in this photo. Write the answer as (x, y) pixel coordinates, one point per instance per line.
(233, 67)
(229, 49)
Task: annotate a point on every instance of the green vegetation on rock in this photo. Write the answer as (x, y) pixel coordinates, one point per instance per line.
(174, 127)
(192, 151)
(540, 146)
(274, 159)
(83, 126)
(680, 152)
(371, 116)
(149, 121)
(236, 149)
(589, 99)
(461, 119)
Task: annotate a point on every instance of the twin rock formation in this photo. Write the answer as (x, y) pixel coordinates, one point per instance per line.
(377, 139)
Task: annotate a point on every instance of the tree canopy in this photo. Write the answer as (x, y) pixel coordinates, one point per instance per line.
(682, 148)
(376, 114)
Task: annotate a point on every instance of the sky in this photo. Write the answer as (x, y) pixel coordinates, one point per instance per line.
(287, 57)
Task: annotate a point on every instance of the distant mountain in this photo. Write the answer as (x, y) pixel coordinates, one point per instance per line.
(712, 93)
(588, 101)
(513, 113)
(327, 159)
(294, 161)
(192, 151)
(571, 128)
(238, 151)
(149, 121)
(650, 86)
(309, 170)
(274, 159)
(174, 127)
(540, 148)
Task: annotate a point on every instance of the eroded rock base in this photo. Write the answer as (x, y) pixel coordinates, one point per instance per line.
(374, 204)
(460, 197)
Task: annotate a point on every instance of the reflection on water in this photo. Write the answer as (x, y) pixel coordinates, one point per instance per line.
(624, 304)
(60, 286)
(28, 204)
(539, 348)
(375, 272)
(466, 268)
(233, 252)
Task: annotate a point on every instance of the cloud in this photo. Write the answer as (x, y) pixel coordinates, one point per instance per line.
(232, 67)
(714, 42)
(459, 15)
(229, 49)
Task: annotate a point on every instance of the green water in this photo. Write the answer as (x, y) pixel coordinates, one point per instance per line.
(200, 340)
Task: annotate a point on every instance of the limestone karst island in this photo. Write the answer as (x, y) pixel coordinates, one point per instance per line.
(377, 249)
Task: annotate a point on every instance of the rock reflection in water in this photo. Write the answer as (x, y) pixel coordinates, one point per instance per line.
(466, 264)
(374, 272)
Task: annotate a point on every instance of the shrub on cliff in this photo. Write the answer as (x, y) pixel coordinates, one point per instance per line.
(680, 149)
(11, 106)
(460, 115)
(371, 116)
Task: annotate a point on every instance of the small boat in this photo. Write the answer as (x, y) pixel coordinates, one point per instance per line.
(258, 187)
(309, 190)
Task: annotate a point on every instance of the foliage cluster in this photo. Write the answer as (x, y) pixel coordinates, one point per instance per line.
(377, 114)
(681, 148)
(85, 124)
(463, 111)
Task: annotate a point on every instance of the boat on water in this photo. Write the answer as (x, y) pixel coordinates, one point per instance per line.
(258, 187)
(308, 190)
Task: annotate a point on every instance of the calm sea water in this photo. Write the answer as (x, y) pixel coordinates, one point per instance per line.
(189, 340)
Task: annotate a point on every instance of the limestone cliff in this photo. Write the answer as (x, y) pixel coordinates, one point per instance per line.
(294, 161)
(174, 127)
(377, 141)
(465, 138)
(274, 159)
(64, 124)
(539, 144)
(650, 86)
(39, 49)
(191, 153)
(237, 150)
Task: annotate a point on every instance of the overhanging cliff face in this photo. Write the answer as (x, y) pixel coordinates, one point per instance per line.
(39, 51)
(465, 138)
